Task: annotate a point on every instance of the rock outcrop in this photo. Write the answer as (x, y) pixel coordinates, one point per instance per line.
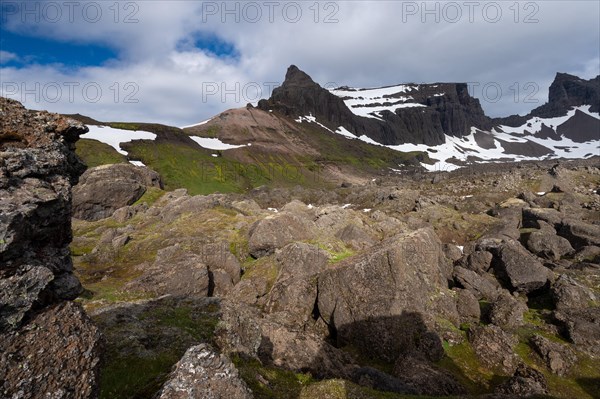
(378, 301)
(48, 347)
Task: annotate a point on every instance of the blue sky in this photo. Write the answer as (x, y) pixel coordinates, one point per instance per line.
(162, 60)
(31, 49)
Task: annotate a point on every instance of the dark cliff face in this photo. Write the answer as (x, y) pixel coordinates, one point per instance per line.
(452, 113)
(570, 91)
(566, 91)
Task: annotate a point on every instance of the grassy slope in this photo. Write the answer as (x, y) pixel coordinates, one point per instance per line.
(94, 153)
(183, 164)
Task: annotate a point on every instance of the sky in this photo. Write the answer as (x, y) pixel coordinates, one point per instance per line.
(182, 62)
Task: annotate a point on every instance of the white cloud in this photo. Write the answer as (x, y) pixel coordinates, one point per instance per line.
(6, 57)
(372, 44)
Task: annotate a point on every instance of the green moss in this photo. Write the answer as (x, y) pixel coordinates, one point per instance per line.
(125, 125)
(533, 316)
(582, 380)
(135, 377)
(201, 326)
(106, 292)
(336, 249)
(455, 226)
(281, 383)
(151, 195)
(462, 362)
(94, 153)
(340, 256)
(261, 268)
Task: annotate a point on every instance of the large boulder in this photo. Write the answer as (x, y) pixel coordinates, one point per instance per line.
(548, 245)
(532, 216)
(245, 330)
(568, 293)
(104, 189)
(202, 373)
(372, 378)
(295, 291)
(507, 311)
(211, 270)
(276, 231)
(495, 348)
(355, 236)
(174, 272)
(425, 378)
(479, 261)
(467, 306)
(378, 301)
(518, 269)
(579, 233)
(558, 357)
(482, 286)
(525, 382)
(581, 327)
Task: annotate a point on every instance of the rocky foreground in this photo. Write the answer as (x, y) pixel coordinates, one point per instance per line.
(482, 282)
(477, 282)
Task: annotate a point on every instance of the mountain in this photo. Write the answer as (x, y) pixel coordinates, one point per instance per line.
(349, 135)
(443, 120)
(419, 114)
(566, 93)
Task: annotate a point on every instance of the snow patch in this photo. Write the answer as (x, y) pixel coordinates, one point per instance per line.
(344, 132)
(361, 101)
(214, 144)
(115, 137)
(310, 118)
(197, 124)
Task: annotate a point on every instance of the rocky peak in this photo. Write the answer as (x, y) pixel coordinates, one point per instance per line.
(566, 91)
(296, 77)
(439, 109)
(571, 91)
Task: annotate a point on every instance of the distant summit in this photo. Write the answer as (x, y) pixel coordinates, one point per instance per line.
(420, 114)
(566, 91)
(446, 121)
